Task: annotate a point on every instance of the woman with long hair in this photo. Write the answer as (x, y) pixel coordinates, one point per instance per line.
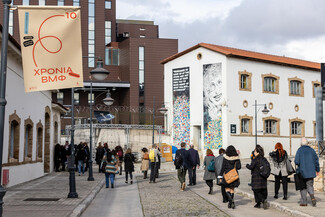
(128, 165)
(145, 162)
(231, 160)
(259, 183)
(208, 176)
(110, 169)
(279, 170)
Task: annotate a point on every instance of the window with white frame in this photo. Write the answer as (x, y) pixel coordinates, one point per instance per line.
(76, 98)
(295, 87)
(245, 125)
(244, 81)
(11, 20)
(60, 97)
(270, 84)
(111, 56)
(108, 5)
(25, 2)
(91, 98)
(296, 128)
(270, 126)
(76, 3)
(108, 32)
(41, 2)
(60, 2)
(141, 71)
(91, 33)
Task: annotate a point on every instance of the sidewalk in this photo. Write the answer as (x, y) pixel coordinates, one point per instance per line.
(290, 206)
(54, 186)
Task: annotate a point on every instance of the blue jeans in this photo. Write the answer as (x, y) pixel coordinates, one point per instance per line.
(109, 176)
(81, 164)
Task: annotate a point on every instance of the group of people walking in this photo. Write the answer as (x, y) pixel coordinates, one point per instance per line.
(110, 162)
(224, 169)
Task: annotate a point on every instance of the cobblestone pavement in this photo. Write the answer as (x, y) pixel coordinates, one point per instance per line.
(54, 185)
(164, 198)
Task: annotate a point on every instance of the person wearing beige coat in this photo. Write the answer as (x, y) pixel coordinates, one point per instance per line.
(145, 162)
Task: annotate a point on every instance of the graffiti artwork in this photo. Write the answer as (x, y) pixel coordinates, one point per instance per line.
(212, 93)
(181, 105)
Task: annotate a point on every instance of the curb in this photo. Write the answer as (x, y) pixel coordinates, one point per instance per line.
(275, 205)
(85, 203)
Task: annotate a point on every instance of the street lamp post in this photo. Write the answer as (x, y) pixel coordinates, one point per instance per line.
(162, 110)
(3, 74)
(98, 73)
(72, 179)
(265, 111)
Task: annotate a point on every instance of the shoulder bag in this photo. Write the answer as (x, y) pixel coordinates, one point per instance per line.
(289, 167)
(300, 182)
(231, 176)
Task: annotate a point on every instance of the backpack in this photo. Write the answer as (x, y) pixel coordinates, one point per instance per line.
(211, 166)
(264, 168)
(179, 161)
(120, 153)
(152, 155)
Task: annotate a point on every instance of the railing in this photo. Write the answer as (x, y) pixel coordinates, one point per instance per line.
(114, 126)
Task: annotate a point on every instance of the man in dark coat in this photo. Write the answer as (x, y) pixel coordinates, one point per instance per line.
(218, 166)
(308, 167)
(195, 162)
(187, 162)
(99, 155)
(87, 153)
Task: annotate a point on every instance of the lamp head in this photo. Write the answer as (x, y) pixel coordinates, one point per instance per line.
(108, 100)
(163, 109)
(99, 73)
(265, 110)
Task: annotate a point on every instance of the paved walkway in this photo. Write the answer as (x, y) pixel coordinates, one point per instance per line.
(53, 186)
(122, 200)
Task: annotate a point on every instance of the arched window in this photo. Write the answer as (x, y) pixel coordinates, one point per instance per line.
(296, 87)
(271, 126)
(28, 140)
(297, 127)
(14, 134)
(270, 83)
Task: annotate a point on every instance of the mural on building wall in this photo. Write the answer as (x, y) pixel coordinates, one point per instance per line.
(181, 105)
(212, 108)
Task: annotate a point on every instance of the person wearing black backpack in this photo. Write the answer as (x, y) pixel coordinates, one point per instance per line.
(182, 162)
(259, 179)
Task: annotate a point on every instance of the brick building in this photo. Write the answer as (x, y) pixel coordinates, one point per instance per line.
(131, 50)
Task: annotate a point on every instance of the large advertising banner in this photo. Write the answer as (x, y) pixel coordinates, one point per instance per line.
(51, 47)
(181, 105)
(212, 108)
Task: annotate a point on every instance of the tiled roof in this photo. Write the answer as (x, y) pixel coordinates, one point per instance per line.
(234, 52)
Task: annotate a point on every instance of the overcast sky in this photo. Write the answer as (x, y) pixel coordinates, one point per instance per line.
(294, 28)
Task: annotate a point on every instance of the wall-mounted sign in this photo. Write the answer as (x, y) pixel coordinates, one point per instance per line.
(232, 128)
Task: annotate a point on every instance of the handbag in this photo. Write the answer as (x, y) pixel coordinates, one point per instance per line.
(103, 167)
(290, 169)
(299, 182)
(231, 176)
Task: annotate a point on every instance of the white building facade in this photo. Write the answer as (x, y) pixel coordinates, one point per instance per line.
(210, 92)
(32, 126)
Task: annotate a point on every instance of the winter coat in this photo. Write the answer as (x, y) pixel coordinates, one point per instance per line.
(278, 164)
(99, 154)
(187, 160)
(110, 166)
(258, 181)
(194, 156)
(218, 165)
(228, 164)
(145, 163)
(81, 155)
(128, 162)
(307, 161)
(207, 174)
